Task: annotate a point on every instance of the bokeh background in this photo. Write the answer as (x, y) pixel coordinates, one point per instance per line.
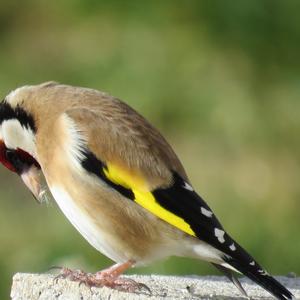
(221, 79)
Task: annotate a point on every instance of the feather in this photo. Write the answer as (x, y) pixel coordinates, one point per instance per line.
(135, 165)
(132, 187)
(229, 274)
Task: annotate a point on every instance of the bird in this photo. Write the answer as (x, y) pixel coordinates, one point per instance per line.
(118, 181)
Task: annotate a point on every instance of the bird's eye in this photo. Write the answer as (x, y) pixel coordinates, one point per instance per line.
(16, 160)
(13, 157)
(10, 154)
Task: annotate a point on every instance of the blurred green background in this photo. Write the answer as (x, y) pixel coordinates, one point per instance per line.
(221, 79)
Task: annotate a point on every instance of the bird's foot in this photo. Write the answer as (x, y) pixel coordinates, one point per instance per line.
(74, 275)
(118, 283)
(109, 277)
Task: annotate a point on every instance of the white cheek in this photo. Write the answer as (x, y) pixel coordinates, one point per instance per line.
(16, 136)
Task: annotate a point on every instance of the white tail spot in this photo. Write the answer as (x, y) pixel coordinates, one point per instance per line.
(252, 263)
(263, 272)
(232, 247)
(206, 212)
(188, 187)
(220, 235)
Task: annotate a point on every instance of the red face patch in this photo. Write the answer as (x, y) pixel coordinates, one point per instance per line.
(3, 159)
(22, 155)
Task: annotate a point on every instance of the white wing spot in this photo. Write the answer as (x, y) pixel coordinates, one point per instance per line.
(232, 247)
(206, 212)
(220, 235)
(252, 263)
(188, 187)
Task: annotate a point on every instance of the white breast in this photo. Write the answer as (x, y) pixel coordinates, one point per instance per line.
(84, 224)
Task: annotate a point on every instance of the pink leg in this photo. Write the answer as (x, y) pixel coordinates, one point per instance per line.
(109, 277)
(115, 270)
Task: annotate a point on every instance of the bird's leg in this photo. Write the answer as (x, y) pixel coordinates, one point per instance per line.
(115, 270)
(109, 277)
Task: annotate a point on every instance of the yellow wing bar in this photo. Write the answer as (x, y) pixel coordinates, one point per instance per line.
(144, 197)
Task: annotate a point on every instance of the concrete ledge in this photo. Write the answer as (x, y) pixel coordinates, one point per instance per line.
(42, 287)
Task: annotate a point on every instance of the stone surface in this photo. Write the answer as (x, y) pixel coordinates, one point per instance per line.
(44, 286)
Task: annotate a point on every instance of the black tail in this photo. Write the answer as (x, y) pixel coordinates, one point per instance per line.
(245, 264)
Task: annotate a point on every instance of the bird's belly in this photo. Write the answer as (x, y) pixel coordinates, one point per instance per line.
(85, 225)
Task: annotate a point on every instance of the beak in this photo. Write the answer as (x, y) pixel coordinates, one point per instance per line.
(31, 178)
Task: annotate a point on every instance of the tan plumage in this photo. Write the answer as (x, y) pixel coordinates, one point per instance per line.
(112, 129)
(116, 179)
(115, 133)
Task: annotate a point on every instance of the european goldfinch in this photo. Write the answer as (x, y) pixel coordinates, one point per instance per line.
(118, 182)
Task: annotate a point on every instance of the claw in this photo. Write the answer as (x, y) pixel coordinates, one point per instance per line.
(55, 268)
(57, 277)
(64, 273)
(109, 277)
(143, 286)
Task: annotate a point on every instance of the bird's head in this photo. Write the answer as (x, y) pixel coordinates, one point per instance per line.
(17, 142)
